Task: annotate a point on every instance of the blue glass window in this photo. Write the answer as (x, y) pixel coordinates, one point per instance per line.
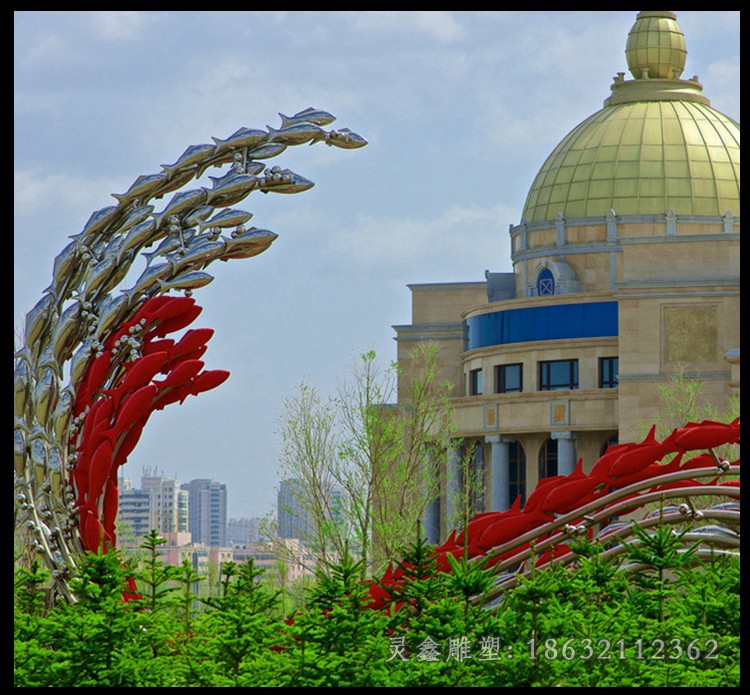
(476, 385)
(608, 372)
(556, 322)
(545, 283)
(557, 375)
(509, 378)
(517, 472)
(548, 459)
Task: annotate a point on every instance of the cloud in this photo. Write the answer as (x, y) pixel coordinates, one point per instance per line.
(464, 238)
(436, 25)
(121, 25)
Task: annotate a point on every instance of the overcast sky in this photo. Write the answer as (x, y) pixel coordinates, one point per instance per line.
(460, 110)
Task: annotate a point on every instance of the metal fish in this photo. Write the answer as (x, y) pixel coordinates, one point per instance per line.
(244, 137)
(37, 320)
(202, 251)
(67, 264)
(97, 276)
(187, 281)
(137, 237)
(46, 394)
(198, 215)
(176, 180)
(192, 156)
(231, 190)
(346, 139)
(149, 278)
(181, 203)
(22, 381)
(249, 243)
(112, 313)
(143, 187)
(309, 115)
(296, 134)
(99, 221)
(78, 364)
(226, 218)
(69, 330)
(20, 433)
(134, 217)
(62, 415)
(266, 151)
(285, 182)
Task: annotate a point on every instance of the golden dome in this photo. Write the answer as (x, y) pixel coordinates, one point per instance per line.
(656, 145)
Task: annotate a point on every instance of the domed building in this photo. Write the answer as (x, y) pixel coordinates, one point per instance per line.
(626, 268)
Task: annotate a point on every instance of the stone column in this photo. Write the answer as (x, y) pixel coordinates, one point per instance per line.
(566, 452)
(500, 461)
(453, 486)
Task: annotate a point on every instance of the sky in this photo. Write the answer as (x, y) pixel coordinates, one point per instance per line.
(460, 110)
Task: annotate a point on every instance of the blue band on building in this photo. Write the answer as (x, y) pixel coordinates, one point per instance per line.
(557, 322)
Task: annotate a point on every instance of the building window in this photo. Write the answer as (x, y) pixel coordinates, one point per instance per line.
(476, 385)
(545, 282)
(548, 459)
(517, 472)
(509, 378)
(608, 368)
(558, 375)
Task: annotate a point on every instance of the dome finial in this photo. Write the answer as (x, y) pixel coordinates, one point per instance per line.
(655, 48)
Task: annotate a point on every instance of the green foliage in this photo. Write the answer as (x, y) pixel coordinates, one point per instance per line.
(673, 622)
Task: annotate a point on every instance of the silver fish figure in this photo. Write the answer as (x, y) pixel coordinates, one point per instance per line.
(132, 218)
(78, 363)
(172, 242)
(68, 332)
(198, 215)
(67, 266)
(22, 384)
(187, 281)
(296, 134)
(226, 218)
(175, 181)
(249, 243)
(289, 182)
(199, 254)
(143, 187)
(231, 190)
(309, 115)
(346, 139)
(20, 434)
(181, 203)
(62, 415)
(244, 137)
(46, 394)
(97, 276)
(111, 314)
(137, 238)
(99, 221)
(37, 320)
(192, 156)
(266, 151)
(149, 278)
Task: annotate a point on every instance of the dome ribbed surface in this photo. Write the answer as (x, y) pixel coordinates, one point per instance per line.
(642, 158)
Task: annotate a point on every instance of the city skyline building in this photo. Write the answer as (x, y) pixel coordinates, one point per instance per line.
(207, 511)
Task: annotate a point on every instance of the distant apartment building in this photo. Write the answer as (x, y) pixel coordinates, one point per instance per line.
(207, 512)
(168, 503)
(243, 531)
(134, 514)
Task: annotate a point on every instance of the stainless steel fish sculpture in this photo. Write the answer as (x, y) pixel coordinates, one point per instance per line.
(83, 375)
